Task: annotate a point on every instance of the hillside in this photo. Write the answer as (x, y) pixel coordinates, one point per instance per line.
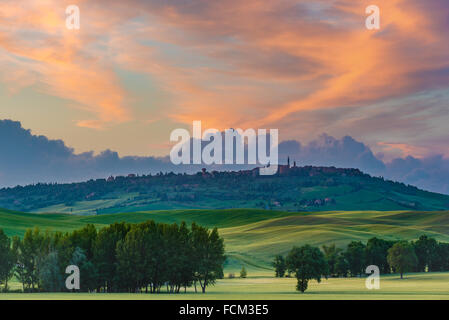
(253, 237)
(292, 189)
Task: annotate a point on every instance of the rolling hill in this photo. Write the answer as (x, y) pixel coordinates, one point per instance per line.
(253, 236)
(292, 189)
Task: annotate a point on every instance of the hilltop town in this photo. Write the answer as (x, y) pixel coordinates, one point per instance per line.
(292, 188)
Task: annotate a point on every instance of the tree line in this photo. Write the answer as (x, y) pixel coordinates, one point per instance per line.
(307, 262)
(121, 257)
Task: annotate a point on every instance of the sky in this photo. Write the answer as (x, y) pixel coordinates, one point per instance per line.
(137, 70)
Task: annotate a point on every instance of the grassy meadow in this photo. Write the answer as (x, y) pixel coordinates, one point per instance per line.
(253, 237)
(416, 286)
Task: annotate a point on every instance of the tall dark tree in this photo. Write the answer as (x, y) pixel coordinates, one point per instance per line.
(62, 243)
(50, 277)
(186, 267)
(31, 251)
(440, 262)
(402, 257)
(123, 257)
(243, 273)
(356, 256)
(105, 254)
(177, 244)
(88, 271)
(7, 259)
(306, 263)
(130, 259)
(209, 256)
(425, 249)
(156, 266)
(376, 253)
(331, 253)
(341, 265)
(84, 239)
(280, 266)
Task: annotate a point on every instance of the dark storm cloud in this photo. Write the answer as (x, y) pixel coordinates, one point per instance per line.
(26, 158)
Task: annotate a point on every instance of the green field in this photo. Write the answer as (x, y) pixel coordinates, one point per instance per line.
(253, 237)
(414, 286)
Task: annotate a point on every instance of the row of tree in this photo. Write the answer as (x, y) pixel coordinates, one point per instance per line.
(118, 258)
(306, 262)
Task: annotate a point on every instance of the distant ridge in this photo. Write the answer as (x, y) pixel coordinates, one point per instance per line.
(293, 188)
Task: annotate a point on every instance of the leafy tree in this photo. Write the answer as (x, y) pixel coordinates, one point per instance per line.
(130, 260)
(174, 260)
(209, 256)
(341, 265)
(402, 257)
(355, 255)
(123, 258)
(7, 259)
(19, 270)
(31, 250)
(84, 239)
(331, 253)
(105, 254)
(149, 255)
(243, 273)
(279, 266)
(441, 258)
(88, 271)
(376, 253)
(63, 244)
(50, 274)
(307, 263)
(178, 249)
(156, 266)
(425, 249)
(185, 255)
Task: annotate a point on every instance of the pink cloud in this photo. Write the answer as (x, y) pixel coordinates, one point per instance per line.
(229, 63)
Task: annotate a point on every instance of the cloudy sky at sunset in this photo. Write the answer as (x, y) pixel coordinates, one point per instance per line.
(136, 70)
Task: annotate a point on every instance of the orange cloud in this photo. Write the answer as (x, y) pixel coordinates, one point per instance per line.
(58, 60)
(228, 63)
(237, 49)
